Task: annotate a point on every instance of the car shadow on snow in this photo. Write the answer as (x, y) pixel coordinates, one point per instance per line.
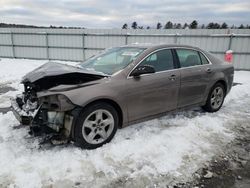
(235, 84)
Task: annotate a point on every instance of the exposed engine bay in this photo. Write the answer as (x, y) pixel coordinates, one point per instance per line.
(51, 114)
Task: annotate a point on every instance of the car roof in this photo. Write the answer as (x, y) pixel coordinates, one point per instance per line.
(156, 46)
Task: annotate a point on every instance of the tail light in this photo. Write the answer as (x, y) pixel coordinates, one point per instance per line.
(229, 56)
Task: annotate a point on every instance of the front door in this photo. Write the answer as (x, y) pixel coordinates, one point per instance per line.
(154, 93)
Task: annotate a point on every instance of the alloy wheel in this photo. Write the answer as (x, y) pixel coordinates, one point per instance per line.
(217, 97)
(98, 126)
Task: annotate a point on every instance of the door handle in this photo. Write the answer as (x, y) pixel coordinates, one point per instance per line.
(172, 77)
(209, 70)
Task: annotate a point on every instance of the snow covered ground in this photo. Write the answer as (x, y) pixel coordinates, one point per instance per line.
(154, 153)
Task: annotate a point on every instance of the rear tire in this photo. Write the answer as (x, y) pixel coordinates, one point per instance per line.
(96, 125)
(215, 98)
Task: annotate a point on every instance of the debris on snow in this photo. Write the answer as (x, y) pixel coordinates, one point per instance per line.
(208, 175)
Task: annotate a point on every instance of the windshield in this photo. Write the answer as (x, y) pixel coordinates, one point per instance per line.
(113, 60)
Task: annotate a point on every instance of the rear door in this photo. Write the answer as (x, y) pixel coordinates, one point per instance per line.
(195, 76)
(157, 92)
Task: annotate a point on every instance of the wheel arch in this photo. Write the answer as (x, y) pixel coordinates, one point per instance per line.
(223, 82)
(207, 106)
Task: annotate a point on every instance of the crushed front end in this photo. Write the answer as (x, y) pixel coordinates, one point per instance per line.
(49, 112)
(48, 115)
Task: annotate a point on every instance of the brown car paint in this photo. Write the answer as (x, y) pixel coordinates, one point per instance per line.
(153, 94)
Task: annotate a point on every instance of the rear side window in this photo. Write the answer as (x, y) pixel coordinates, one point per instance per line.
(204, 59)
(161, 60)
(188, 57)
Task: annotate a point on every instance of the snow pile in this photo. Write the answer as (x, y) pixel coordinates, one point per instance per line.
(171, 146)
(156, 152)
(241, 90)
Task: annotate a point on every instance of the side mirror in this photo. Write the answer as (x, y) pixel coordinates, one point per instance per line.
(143, 69)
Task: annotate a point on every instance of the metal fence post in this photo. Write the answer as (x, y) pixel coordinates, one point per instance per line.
(230, 41)
(126, 38)
(12, 45)
(47, 45)
(83, 46)
(176, 38)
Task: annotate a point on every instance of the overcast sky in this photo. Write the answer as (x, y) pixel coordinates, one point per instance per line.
(114, 13)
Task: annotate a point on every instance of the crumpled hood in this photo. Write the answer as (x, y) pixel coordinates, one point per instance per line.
(56, 69)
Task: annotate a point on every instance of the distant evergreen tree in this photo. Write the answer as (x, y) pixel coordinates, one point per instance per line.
(194, 24)
(125, 26)
(241, 26)
(202, 26)
(178, 26)
(168, 25)
(212, 25)
(134, 25)
(232, 27)
(148, 27)
(216, 26)
(224, 26)
(158, 26)
(185, 26)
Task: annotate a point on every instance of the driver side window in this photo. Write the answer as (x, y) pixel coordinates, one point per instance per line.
(161, 60)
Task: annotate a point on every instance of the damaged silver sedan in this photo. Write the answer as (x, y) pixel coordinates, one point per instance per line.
(89, 102)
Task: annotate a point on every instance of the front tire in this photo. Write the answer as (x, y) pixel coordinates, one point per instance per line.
(96, 125)
(215, 98)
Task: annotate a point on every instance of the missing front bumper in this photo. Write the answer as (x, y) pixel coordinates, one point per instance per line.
(42, 121)
(23, 117)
